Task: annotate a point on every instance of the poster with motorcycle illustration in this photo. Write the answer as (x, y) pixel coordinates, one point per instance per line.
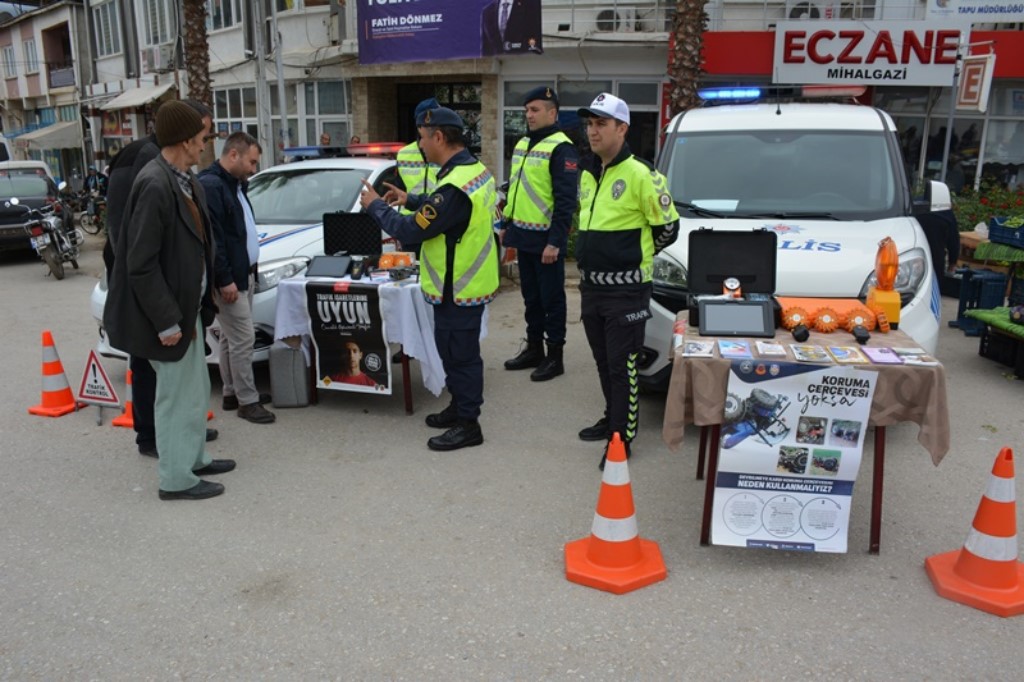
(792, 441)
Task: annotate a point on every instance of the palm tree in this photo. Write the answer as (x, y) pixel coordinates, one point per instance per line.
(686, 57)
(197, 61)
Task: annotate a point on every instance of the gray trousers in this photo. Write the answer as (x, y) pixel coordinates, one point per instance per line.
(182, 401)
(237, 336)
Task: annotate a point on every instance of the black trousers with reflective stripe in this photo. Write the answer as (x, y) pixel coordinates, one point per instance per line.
(616, 336)
(457, 335)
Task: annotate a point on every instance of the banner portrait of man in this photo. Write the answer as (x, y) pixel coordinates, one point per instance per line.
(348, 334)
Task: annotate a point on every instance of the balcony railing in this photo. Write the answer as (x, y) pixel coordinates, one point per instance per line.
(62, 76)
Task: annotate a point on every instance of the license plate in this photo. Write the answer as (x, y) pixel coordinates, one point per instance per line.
(41, 240)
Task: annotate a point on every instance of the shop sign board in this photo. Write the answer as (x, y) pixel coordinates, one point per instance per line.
(976, 11)
(867, 53)
(975, 82)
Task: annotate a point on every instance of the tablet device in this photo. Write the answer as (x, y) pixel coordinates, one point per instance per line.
(737, 318)
(328, 266)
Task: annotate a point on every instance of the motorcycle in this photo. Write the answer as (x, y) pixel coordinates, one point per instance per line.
(54, 244)
(94, 216)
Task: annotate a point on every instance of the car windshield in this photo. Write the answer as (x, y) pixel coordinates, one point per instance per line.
(304, 195)
(827, 174)
(23, 186)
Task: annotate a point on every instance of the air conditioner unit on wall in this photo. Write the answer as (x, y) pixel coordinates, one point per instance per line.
(806, 10)
(621, 20)
(158, 58)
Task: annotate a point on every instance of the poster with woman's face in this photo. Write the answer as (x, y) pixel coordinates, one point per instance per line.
(348, 333)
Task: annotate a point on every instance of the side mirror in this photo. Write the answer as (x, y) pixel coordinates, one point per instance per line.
(936, 198)
(62, 186)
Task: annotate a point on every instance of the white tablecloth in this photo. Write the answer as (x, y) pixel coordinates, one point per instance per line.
(408, 320)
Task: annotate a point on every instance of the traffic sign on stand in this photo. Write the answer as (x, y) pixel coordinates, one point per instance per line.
(96, 388)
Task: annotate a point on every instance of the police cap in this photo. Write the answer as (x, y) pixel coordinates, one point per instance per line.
(442, 116)
(429, 103)
(544, 92)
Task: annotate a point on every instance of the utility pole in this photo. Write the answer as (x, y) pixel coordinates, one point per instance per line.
(281, 99)
(263, 111)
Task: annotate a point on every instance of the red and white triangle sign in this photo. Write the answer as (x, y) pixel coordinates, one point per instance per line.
(96, 387)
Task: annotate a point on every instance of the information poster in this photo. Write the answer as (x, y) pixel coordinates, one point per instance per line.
(792, 441)
(349, 336)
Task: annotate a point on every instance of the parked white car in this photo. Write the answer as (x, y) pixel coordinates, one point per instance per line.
(829, 179)
(289, 201)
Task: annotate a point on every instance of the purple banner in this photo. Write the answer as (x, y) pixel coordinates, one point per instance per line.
(430, 30)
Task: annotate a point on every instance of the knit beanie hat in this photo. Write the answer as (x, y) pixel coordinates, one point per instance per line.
(176, 122)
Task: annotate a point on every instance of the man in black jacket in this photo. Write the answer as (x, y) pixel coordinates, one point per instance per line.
(238, 250)
(160, 299)
(124, 168)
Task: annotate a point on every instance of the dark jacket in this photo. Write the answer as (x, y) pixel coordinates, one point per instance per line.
(524, 24)
(228, 217)
(158, 268)
(123, 169)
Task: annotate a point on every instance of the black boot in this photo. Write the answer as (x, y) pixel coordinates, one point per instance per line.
(445, 419)
(552, 365)
(531, 356)
(463, 435)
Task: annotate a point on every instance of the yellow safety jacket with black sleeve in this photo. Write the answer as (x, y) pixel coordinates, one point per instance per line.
(418, 176)
(626, 216)
(531, 199)
(475, 269)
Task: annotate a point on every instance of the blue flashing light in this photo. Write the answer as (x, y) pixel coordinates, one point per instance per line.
(723, 94)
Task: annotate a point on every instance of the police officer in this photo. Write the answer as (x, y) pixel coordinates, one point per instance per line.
(415, 173)
(542, 199)
(458, 264)
(626, 216)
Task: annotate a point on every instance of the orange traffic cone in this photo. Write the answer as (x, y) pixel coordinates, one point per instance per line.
(57, 398)
(986, 574)
(614, 558)
(127, 418)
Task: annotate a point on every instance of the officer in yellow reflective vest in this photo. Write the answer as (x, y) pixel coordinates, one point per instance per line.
(542, 200)
(626, 216)
(415, 174)
(458, 264)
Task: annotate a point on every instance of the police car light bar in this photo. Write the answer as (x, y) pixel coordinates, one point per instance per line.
(749, 93)
(375, 148)
(729, 94)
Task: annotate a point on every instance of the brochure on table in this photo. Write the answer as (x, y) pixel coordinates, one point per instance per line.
(347, 329)
(792, 441)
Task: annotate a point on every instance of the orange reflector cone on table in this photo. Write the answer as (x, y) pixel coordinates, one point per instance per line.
(986, 573)
(57, 398)
(126, 418)
(614, 558)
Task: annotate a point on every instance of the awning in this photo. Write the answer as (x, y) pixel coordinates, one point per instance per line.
(63, 135)
(136, 97)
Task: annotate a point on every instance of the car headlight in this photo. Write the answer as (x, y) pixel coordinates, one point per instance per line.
(272, 272)
(668, 272)
(912, 271)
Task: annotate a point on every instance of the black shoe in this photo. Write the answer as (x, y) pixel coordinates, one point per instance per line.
(463, 435)
(230, 402)
(217, 466)
(551, 367)
(604, 457)
(256, 413)
(598, 431)
(531, 356)
(445, 419)
(200, 491)
(150, 450)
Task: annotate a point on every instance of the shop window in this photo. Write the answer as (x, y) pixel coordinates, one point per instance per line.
(639, 93)
(515, 91)
(1004, 153)
(1007, 99)
(581, 93)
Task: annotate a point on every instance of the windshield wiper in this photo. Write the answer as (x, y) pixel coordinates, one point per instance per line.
(697, 210)
(792, 215)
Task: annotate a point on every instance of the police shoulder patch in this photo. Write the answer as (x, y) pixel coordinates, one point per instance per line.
(437, 200)
(425, 216)
(665, 200)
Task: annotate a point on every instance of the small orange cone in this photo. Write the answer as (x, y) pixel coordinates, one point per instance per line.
(614, 558)
(57, 398)
(126, 418)
(986, 574)
(209, 415)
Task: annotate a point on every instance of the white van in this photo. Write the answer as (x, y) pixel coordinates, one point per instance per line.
(828, 179)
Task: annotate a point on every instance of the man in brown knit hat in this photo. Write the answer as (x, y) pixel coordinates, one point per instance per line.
(160, 299)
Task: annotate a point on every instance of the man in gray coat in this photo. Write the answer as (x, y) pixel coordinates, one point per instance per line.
(160, 299)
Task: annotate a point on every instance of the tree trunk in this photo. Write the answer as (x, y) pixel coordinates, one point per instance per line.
(197, 62)
(686, 57)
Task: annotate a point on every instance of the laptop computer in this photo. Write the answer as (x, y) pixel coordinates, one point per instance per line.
(328, 266)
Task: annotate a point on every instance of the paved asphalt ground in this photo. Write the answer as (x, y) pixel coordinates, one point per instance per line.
(344, 549)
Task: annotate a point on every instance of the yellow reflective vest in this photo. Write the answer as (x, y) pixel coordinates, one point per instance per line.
(475, 276)
(531, 200)
(418, 176)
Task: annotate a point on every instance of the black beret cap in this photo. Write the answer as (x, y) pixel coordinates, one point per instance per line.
(442, 116)
(543, 92)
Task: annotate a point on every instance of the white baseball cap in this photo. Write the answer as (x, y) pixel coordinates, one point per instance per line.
(606, 106)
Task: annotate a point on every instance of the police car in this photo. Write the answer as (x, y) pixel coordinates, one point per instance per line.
(827, 178)
(289, 201)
